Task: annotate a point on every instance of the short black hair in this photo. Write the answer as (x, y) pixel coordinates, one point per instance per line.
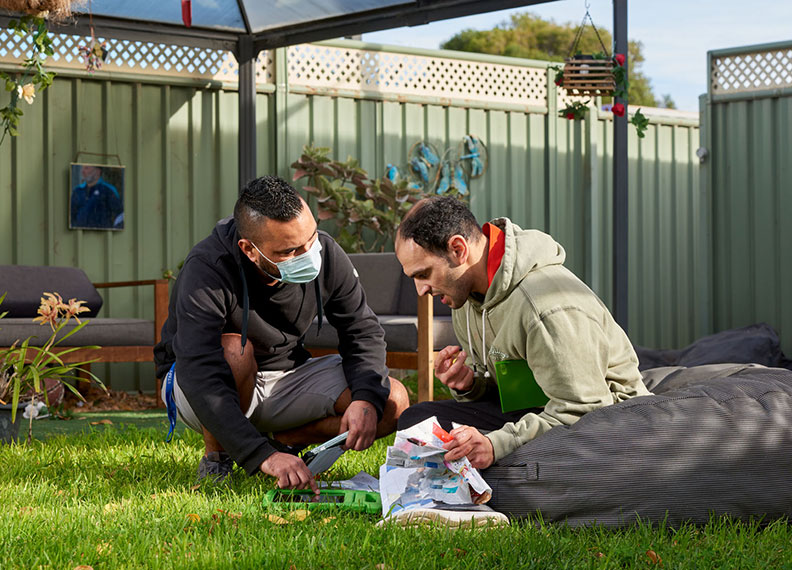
(266, 197)
(433, 221)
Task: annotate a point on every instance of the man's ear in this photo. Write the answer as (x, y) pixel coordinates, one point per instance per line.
(248, 249)
(458, 249)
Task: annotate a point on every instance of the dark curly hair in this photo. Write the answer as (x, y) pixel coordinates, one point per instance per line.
(433, 221)
(266, 197)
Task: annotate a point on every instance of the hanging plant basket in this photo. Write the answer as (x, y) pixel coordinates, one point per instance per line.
(51, 9)
(587, 75)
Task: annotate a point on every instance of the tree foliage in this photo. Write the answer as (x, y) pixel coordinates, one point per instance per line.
(529, 36)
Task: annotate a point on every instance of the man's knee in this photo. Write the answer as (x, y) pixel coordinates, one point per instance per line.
(398, 401)
(399, 397)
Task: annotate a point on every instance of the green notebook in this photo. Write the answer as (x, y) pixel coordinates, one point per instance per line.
(517, 386)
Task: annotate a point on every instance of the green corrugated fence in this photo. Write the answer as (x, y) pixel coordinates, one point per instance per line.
(747, 178)
(177, 138)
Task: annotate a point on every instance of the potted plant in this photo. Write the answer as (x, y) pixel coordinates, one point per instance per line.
(345, 194)
(23, 367)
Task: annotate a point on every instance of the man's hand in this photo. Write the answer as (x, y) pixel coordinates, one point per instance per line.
(291, 471)
(451, 370)
(360, 419)
(470, 442)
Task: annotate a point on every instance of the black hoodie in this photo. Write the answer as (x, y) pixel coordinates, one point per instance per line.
(209, 300)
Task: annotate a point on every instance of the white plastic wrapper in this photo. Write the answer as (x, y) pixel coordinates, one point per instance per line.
(415, 474)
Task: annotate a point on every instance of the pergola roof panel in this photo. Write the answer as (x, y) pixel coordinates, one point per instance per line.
(219, 15)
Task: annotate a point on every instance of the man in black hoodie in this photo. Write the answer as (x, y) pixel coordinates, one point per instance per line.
(232, 350)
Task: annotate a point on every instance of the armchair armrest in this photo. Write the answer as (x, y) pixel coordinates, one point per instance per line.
(160, 299)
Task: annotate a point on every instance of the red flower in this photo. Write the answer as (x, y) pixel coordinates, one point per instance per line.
(570, 116)
(559, 80)
(619, 57)
(618, 109)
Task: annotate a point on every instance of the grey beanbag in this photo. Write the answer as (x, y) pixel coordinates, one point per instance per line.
(711, 443)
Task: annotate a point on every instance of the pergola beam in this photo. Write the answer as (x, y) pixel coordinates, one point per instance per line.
(246, 57)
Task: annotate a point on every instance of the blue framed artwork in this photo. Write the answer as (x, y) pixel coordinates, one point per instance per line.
(96, 198)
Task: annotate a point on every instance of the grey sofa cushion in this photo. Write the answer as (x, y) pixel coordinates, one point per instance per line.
(709, 446)
(26, 284)
(379, 274)
(401, 333)
(102, 332)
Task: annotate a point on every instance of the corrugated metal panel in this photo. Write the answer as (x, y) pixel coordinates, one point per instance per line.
(178, 143)
(663, 220)
(749, 173)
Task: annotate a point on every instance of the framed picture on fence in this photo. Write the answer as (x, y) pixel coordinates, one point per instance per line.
(96, 198)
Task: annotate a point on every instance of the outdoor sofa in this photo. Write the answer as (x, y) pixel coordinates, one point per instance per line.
(119, 339)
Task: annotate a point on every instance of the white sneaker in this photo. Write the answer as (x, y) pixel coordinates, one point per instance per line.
(465, 516)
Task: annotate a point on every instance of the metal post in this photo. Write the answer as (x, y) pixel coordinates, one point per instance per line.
(246, 57)
(620, 212)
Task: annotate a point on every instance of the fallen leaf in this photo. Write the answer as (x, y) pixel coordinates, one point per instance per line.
(460, 552)
(599, 555)
(193, 517)
(275, 519)
(102, 422)
(299, 514)
(113, 507)
(26, 510)
(83, 567)
(195, 487)
(382, 566)
(104, 548)
(327, 520)
(654, 557)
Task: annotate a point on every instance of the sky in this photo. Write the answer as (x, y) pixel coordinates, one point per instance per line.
(676, 34)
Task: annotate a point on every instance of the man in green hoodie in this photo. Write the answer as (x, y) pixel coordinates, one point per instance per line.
(512, 300)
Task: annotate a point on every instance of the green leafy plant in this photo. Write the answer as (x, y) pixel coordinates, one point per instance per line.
(23, 367)
(640, 122)
(34, 77)
(574, 111)
(356, 203)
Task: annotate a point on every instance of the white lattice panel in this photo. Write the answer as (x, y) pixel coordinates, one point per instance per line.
(751, 71)
(402, 74)
(140, 57)
(565, 98)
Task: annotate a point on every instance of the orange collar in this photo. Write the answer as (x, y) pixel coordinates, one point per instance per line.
(497, 247)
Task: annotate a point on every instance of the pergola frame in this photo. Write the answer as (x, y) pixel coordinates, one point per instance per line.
(247, 45)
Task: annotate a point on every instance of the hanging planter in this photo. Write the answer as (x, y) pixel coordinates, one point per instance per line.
(51, 9)
(589, 75)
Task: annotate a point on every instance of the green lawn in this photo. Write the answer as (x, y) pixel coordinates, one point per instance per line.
(108, 496)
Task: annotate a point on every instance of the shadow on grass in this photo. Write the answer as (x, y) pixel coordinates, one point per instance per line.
(89, 422)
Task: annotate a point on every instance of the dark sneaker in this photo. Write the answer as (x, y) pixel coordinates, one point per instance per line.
(217, 465)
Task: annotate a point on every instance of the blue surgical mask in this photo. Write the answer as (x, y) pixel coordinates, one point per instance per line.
(302, 268)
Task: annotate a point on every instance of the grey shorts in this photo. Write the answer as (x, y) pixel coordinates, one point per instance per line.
(283, 400)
